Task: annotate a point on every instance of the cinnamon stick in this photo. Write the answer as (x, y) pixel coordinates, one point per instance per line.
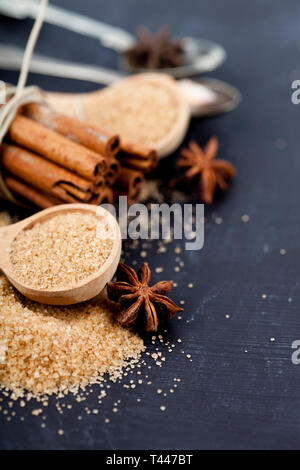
(81, 132)
(130, 183)
(76, 192)
(101, 183)
(107, 196)
(103, 195)
(59, 149)
(139, 164)
(38, 199)
(113, 171)
(45, 175)
(28, 193)
(137, 149)
(135, 156)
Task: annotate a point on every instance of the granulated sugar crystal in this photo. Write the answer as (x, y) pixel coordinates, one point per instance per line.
(60, 251)
(47, 349)
(140, 111)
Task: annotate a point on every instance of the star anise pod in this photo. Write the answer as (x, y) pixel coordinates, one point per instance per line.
(155, 51)
(141, 302)
(201, 167)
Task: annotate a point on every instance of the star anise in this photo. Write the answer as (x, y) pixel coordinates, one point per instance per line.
(141, 302)
(155, 51)
(201, 167)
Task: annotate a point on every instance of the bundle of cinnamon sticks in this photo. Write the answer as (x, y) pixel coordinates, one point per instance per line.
(49, 158)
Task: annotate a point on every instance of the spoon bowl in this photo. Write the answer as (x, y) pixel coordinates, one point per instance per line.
(84, 105)
(67, 295)
(200, 56)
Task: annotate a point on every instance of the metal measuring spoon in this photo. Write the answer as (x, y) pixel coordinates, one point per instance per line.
(225, 97)
(200, 55)
(209, 97)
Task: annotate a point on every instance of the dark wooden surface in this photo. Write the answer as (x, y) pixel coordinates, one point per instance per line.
(227, 398)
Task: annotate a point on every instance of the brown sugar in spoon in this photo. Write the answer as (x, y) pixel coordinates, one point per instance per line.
(85, 289)
(146, 108)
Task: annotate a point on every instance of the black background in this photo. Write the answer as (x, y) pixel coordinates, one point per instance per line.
(227, 398)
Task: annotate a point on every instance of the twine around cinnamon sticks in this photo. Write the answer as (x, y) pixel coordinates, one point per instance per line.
(49, 158)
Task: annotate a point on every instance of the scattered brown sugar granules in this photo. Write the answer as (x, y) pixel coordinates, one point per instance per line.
(60, 251)
(45, 350)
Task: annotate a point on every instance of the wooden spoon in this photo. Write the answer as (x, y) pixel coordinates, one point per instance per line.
(188, 95)
(86, 106)
(87, 288)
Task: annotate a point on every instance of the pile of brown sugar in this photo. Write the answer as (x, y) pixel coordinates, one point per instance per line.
(45, 349)
(60, 251)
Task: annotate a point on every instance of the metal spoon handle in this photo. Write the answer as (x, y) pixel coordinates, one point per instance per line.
(11, 59)
(110, 36)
